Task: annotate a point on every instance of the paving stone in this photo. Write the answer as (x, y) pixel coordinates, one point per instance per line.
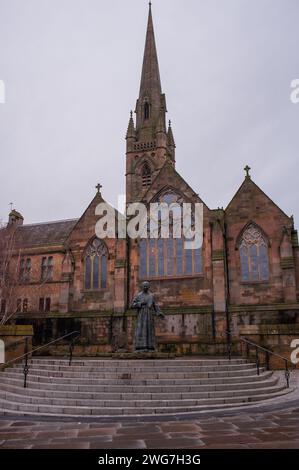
(96, 432)
(90, 439)
(175, 443)
(66, 445)
(107, 425)
(240, 439)
(275, 445)
(226, 446)
(15, 435)
(69, 434)
(180, 427)
(138, 429)
(124, 445)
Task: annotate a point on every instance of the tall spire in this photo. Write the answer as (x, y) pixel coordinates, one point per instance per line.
(151, 99)
(148, 140)
(150, 77)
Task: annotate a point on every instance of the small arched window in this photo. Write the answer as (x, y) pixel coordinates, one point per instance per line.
(254, 256)
(146, 110)
(146, 175)
(95, 265)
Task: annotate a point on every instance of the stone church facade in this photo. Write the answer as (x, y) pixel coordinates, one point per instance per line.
(245, 275)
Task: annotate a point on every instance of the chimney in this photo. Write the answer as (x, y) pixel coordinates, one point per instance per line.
(15, 218)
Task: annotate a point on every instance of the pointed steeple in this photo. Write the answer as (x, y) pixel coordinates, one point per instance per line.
(131, 134)
(151, 99)
(148, 139)
(131, 127)
(150, 77)
(170, 142)
(161, 127)
(170, 138)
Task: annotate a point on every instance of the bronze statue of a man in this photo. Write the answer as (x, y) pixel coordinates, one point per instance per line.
(144, 302)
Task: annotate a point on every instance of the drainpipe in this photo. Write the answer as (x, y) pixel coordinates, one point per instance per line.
(227, 290)
(128, 269)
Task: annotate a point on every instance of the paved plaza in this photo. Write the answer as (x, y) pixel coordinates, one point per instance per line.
(239, 431)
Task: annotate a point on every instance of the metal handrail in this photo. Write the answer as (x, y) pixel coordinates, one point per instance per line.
(258, 348)
(27, 353)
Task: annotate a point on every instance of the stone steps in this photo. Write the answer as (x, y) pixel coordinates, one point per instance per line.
(109, 387)
(143, 387)
(137, 399)
(60, 370)
(140, 391)
(40, 375)
(135, 362)
(77, 412)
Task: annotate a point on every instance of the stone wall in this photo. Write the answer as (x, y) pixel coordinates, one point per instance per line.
(14, 340)
(277, 338)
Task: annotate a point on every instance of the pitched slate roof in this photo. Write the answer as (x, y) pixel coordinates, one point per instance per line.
(47, 233)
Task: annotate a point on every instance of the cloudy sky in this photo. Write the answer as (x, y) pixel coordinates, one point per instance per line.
(72, 70)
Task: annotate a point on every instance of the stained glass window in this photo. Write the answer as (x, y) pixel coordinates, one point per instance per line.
(104, 272)
(188, 261)
(152, 258)
(168, 257)
(95, 272)
(143, 258)
(96, 265)
(244, 262)
(264, 263)
(254, 256)
(179, 256)
(88, 272)
(160, 244)
(197, 260)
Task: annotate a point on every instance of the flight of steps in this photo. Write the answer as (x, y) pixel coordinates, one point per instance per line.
(112, 387)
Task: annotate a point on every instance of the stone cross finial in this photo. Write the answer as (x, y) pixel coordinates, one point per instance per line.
(98, 188)
(11, 206)
(247, 169)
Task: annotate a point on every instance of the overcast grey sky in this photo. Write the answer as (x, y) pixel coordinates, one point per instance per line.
(72, 70)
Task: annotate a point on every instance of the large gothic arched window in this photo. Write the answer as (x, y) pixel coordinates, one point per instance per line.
(168, 257)
(254, 258)
(95, 264)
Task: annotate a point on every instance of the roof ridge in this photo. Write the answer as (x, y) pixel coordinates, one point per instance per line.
(49, 222)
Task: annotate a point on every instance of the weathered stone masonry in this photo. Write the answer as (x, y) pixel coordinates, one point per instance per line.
(261, 294)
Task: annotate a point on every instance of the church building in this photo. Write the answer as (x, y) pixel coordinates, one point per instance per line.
(60, 277)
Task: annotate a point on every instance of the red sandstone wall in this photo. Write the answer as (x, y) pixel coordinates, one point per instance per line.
(251, 204)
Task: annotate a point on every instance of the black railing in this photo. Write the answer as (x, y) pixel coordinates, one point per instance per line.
(71, 336)
(249, 345)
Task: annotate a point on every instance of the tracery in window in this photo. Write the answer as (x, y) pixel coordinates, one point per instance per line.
(168, 257)
(95, 265)
(254, 257)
